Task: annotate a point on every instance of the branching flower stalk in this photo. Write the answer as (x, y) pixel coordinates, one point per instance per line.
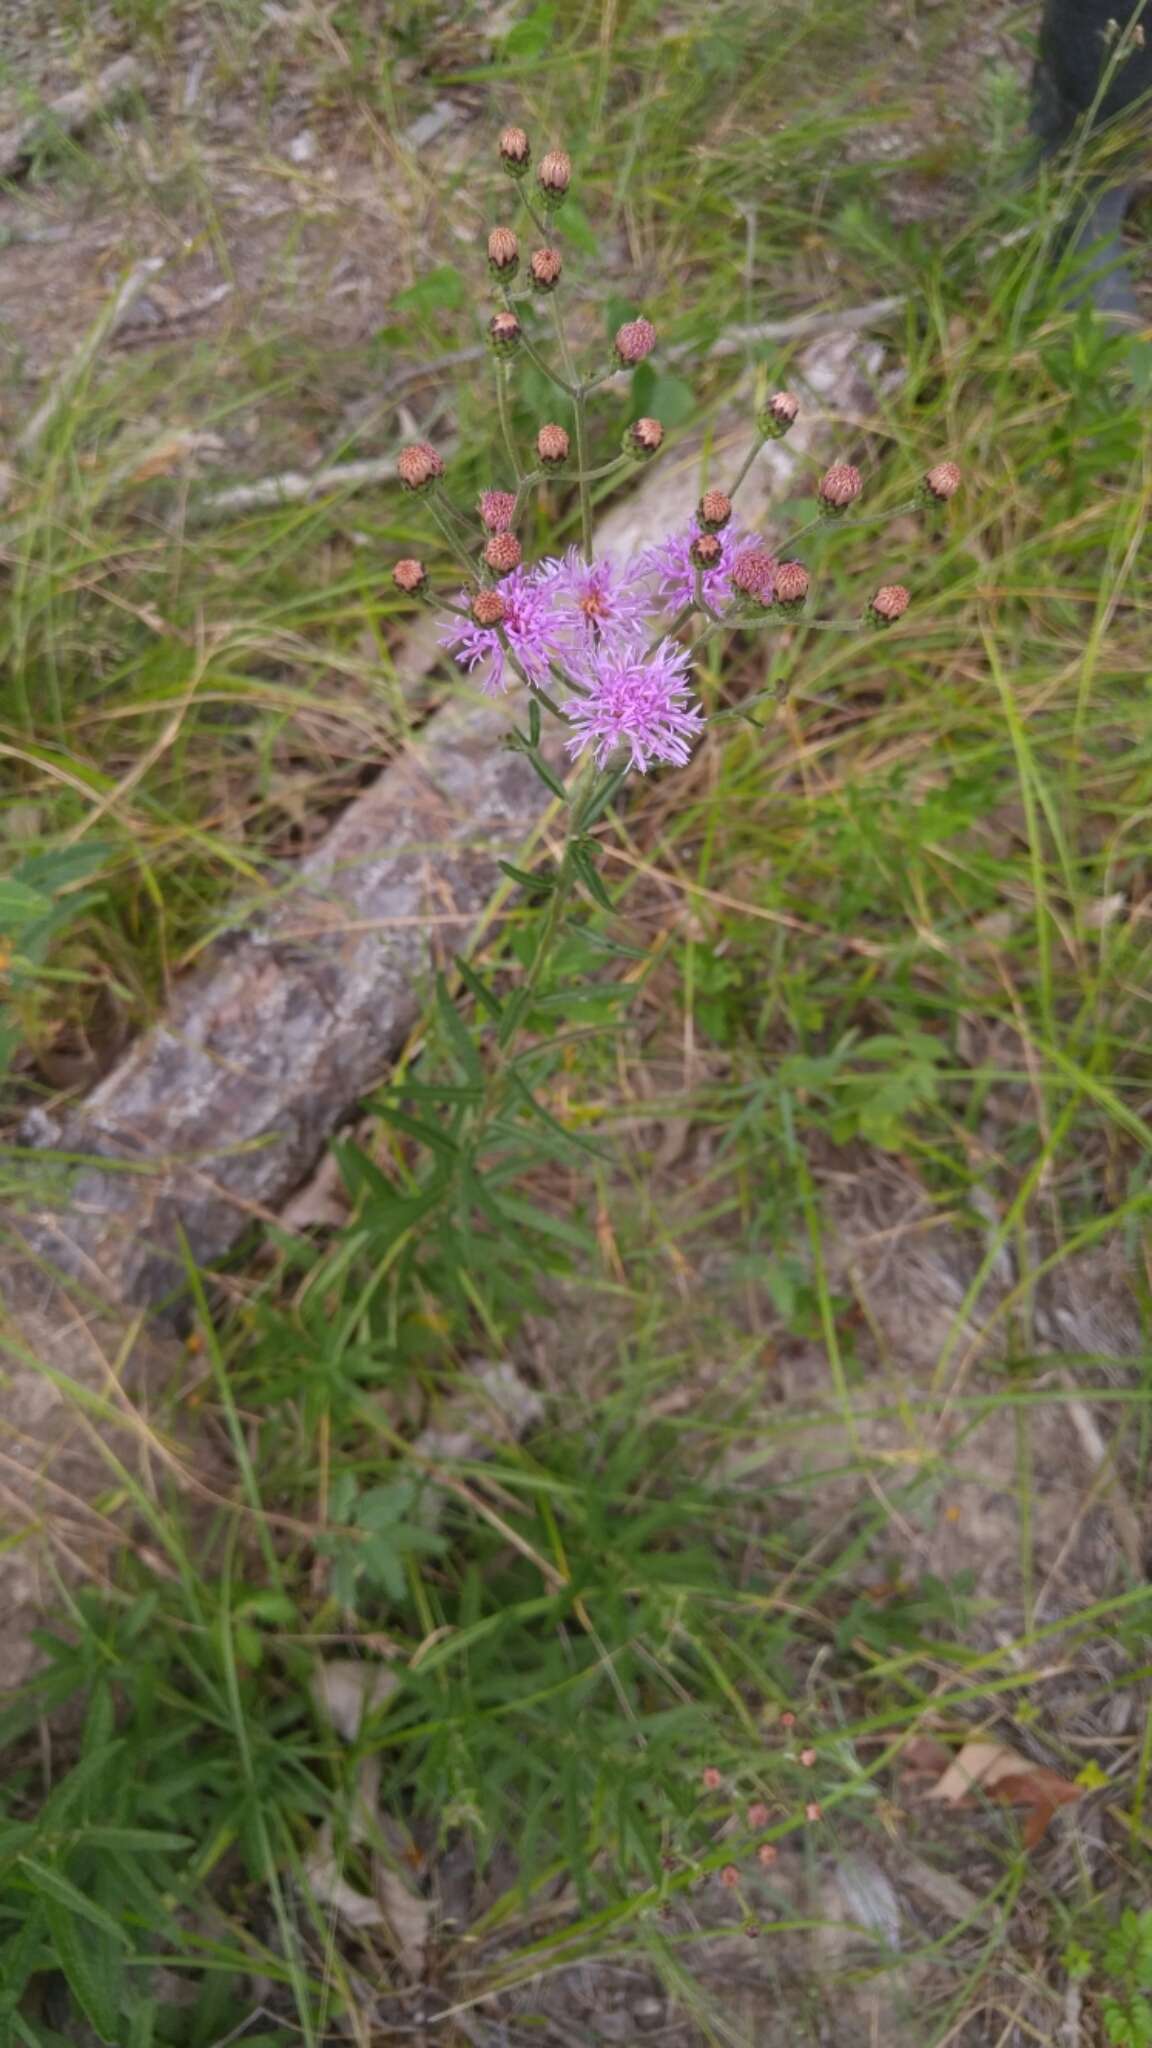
(597, 644)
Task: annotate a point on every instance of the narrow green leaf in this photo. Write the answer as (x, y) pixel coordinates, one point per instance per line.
(56, 1890)
(91, 1972)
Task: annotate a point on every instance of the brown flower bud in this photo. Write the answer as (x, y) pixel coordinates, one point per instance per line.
(889, 604)
(706, 550)
(555, 175)
(515, 152)
(840, 487)
(643, 439)
(504, 334)
(767, 1854)
(502, 554)
(552, 446)
(545, 268)
(489, 608)
(942, 482)
(497, 509)
(410, 576)
(635, 340)
(754, 575)
(792, 585)
(730, 1877)
(711, 1778)
(779, 416)
(758, 1814)
(714, 511)
(418, 466)
(503, 253)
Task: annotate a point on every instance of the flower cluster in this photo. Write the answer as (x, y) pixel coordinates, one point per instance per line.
(597, 640)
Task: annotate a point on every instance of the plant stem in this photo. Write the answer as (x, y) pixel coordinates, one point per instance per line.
(505, 424)
(746, 465)
(577, 391)
(468, 566)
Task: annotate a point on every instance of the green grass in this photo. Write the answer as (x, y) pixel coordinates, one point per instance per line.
(884, 941)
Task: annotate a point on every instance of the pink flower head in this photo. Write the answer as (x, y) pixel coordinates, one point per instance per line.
(670, 561)
(637, 700)
(528, 626)
(595, 604)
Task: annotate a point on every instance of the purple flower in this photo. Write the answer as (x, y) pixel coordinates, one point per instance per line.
(529, 626)
(637, 700)
(595, 604)
(670, 561)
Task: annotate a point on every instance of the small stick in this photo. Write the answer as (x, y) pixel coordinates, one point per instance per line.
(66, 115)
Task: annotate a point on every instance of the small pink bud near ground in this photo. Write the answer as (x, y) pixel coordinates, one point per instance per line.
(503, 253)
(504, 334)
(410, 576)
(889, 604)
(840, 487)
(489, 608)
(706, 551)
(497, 510)
(545, 268)
(643, 439)
(779, 416)
(555, 175)
(792, 586)
(418, 466)
(552, 446)
(502, 554)
(813, 1810)
(515, 152)
(767, 1854)
(711, 1779)
(807, 1758)
(714, 511)
(635, 340)
(730, 1877)
(787, 1718)
(758, 1815)
(942, 482)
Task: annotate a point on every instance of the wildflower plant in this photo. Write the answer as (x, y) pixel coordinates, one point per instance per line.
(597, 644)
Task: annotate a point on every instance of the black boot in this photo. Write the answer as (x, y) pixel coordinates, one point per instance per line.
(1077, 41)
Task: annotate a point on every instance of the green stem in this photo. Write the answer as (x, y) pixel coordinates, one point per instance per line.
(468, 566)
(552, 375)
(669, 632)
(746, 465)
(505, 424)
(577, 390)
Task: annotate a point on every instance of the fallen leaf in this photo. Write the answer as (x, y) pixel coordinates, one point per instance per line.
(994, 1771)
(347, 1690)
(329, 1887)
(408, 1916)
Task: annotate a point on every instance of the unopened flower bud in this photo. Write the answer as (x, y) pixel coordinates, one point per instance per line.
(503, 254)
(840, 487)
(504, 334)
(754, 576)
(502, 554)
(792, 585)
(942, 482)
(497, 510)
(730, 1877)
(418, 466)
(889, 604)
(545, 268)
(555, 175)
(410, 576)
(643, 439)
(635, 340)
(489, 608)
(706, 551)
(515, 152)
(714, 511)
(552, 446)
(779, 416)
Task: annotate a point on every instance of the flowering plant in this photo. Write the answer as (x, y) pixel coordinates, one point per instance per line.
(594, 643)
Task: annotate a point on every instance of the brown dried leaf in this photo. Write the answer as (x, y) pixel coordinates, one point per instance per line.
(995, 1771)
(408, 1918)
